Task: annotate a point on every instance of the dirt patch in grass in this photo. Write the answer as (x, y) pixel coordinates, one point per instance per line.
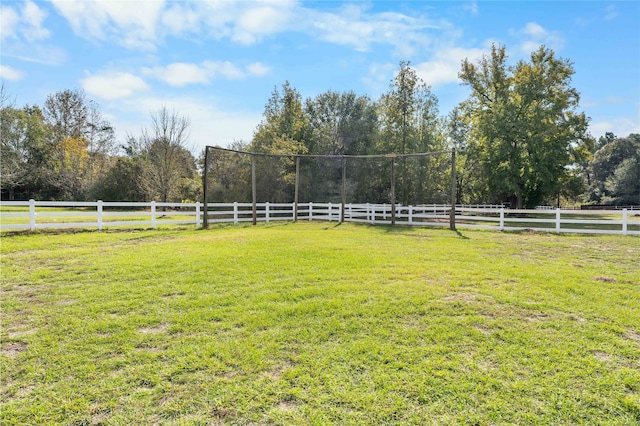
(606, 279)
(633, 336)
(160, 328)
(602, 356)
(13, 349)
(20, 332)
(286, 406)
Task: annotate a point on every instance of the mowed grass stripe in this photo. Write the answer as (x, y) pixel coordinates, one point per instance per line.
(319, 324)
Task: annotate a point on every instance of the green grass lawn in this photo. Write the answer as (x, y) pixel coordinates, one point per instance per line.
(319, 324)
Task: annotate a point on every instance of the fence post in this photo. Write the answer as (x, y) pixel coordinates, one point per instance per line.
(624, 221)
(153, 214)
(329, 210)
(198, 214)
(235, 213)
(410, 215)
(557, 220)
(501, 219)
(384, 211)
(32, 214)
(266, 212)
(99, 215)
(373, 214)
(310, 211)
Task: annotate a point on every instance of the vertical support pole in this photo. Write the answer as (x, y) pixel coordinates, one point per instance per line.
(624, 221)
(266, 212)
(344, 187)
(153, 214)
(235, 212)
(501, 219)
(297, 190)
(99, 208)
(557, 220)
(410, 215)
(310, 211)
(253, 188)
(205, 218)
(452, 212)
(329, 209)
(393, 190)
(198, 214)
(32, 214)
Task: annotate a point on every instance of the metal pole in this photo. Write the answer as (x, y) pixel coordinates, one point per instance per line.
(205, 217)
(393, 190)
(344, 191)
(253, 188)
(452, 213)
(297, 190)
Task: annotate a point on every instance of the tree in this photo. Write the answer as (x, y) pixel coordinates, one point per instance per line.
(23, 153)
(409, 124)
(79, 142)
(341, 123)
(614, 170)
(525, 124)
(165, 160)
(284, 130)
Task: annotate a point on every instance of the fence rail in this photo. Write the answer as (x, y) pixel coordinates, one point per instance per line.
(32, 215)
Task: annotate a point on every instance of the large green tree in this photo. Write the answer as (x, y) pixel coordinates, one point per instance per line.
(410, 124)
(525, 124)
(284, 130)
(615, 171)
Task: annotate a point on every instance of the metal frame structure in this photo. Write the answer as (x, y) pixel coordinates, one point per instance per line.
(391, 157)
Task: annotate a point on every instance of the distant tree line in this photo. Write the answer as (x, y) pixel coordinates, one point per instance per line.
(66, 150)
(519, 137)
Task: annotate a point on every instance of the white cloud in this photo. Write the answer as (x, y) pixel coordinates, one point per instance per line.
(131, 23)
(354, 26)
(27, 23)
(621, 127)
(113, 85)
(472, 7)
(143, 24)
(11, 74)
(34, 17)
(255, 23)
(444, 66)
(209, 124)
(379, 77)
(533, 35)
(258, 69)
(9, 20)
(180, 19)
(180, 74)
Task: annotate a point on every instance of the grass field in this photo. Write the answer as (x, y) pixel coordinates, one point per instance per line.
(319, 324)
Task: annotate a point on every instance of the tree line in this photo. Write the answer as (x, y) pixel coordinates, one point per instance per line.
(519, 137)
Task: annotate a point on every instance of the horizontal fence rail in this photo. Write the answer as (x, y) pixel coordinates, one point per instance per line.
(33, 215)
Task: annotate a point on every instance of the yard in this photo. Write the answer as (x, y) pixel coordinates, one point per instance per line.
(318, 323)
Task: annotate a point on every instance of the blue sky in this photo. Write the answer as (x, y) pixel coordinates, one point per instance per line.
(217, 62)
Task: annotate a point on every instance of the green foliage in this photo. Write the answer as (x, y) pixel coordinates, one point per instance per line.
(524, 124)
(615, 173)
(369, 325)
(120, 182)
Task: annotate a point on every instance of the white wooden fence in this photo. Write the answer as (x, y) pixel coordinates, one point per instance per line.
(99, 215)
